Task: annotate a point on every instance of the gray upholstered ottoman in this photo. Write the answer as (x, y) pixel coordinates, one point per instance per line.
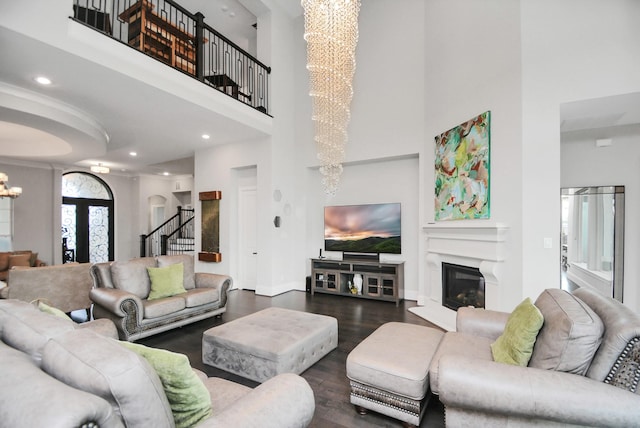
(389, 370)
(269, 342)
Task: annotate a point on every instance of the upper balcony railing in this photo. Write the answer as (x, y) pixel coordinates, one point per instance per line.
(169, 33)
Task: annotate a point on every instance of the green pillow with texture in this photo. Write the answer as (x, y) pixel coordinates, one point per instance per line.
(53, 311)
(188, 397)
(166, 281)
(515, 345)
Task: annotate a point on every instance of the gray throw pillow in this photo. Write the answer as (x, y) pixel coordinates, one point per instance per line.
(570, 336)
(132, 276)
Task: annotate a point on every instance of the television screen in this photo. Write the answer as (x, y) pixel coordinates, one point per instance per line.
(371, 228)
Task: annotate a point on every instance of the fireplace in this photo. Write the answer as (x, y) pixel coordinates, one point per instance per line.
(480, 245)
(462, 286)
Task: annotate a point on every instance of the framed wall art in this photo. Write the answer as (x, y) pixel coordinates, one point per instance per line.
(462, 170)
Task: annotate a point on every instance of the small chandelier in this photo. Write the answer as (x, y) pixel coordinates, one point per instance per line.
(5, 190)
(100, 169)
(331, 32)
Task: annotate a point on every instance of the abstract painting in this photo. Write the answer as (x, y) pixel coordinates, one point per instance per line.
(462, 170)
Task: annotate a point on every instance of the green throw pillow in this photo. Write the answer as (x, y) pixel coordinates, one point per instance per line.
(188, 397)
(53, 311)
(515, 345)
(166, 281)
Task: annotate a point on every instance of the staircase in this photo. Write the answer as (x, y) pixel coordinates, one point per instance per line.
(181, 246)
(174, 236)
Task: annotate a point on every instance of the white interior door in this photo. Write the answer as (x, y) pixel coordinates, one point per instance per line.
(247, 207)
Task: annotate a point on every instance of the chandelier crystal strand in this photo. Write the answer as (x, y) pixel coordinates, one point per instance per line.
(331, 33)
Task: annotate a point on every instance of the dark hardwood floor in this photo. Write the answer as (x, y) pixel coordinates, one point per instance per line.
(357, 318)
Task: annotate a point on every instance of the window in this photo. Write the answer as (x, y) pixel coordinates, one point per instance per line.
(6, 224)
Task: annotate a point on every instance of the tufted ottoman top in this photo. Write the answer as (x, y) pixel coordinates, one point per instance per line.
(269, 342)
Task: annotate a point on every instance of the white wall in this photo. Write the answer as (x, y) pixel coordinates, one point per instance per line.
(572, 50)
(386, 180)
(472, 54)
(214, 170)
(584, 164)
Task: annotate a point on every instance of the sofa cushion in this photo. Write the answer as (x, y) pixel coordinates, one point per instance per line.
(4, 261)
(515, 345)
(188, 397)
(188, 271)
(101, 366)
(456, 343)
(29, 397)
(19, 260)
(570, 336)
(25, 328)
(166, 281)
(132, 276)
(200, 296)
(161, 307)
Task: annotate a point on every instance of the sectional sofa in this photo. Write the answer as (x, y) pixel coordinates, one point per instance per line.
(56, 373)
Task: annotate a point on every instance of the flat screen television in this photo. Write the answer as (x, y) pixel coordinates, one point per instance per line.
(370, 228)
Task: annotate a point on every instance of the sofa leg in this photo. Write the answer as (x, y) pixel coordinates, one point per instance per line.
(361, 410)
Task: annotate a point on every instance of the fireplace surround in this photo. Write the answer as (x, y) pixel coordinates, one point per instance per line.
(475, 244)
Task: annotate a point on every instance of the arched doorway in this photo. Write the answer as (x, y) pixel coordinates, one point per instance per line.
(87, 218)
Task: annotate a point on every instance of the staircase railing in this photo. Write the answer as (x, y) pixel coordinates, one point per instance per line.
(174, 236)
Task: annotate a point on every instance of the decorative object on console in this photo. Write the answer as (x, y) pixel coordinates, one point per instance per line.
(331, 32)
(462, 170)
(357, 283)
(6, 191)
(210, 238)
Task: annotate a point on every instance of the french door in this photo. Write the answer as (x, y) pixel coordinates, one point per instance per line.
(87, 219)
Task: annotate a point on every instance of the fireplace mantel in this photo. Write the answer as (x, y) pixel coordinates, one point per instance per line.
(467, 243)
(468, 240)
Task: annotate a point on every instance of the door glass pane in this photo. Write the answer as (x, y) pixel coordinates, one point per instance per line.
(81, 185)
(98, 234)
(69, 227)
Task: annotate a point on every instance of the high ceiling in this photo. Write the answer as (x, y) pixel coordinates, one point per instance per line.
(90, 105)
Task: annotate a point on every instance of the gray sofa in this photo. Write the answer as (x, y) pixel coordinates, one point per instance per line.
(584, 369)
(121, 293)
(56, 373)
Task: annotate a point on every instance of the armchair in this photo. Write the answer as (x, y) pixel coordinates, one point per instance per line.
(592, 382)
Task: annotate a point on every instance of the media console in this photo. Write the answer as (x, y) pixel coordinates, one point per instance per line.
(380, 280)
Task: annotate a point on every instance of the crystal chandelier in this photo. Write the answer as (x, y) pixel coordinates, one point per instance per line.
(6, 191)
(331, 32)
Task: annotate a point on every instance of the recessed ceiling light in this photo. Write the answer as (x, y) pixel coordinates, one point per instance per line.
(133, 154)
(43, 80)
(165, 173)
(206, 136)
